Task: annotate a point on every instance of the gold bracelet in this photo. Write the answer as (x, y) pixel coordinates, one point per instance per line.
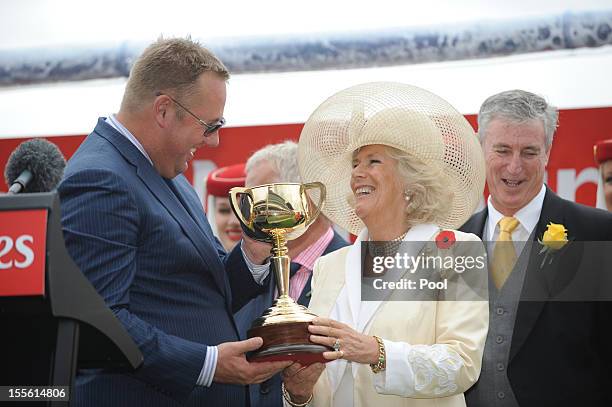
(382, 363)
(287, 398)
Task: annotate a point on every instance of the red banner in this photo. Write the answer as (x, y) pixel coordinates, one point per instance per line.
(23, 242)
(571, 170)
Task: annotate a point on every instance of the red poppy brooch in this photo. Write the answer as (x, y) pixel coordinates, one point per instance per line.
(445, 239)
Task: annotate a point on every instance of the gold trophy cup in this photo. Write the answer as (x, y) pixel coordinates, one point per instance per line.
(276, 213)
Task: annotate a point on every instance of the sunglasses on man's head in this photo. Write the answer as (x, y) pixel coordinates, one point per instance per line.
(208, 128)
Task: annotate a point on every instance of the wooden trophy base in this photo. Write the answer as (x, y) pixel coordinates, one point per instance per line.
(286, 341)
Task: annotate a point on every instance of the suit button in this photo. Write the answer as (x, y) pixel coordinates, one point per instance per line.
(500, 366)
(501, 394)
(499, 311)
(499, 339)
(264, 388)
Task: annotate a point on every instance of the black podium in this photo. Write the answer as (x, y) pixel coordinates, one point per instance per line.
(52, 320)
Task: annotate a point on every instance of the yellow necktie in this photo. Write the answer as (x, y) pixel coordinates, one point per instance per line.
(504, 254)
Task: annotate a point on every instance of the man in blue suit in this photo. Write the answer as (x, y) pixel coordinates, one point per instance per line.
(279, 163)
(136, 228)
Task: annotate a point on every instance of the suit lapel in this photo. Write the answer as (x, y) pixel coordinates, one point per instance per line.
(476, 223)
(552, 212)
(332, 280)
(540, 279)
(199, 234)
(531, 301)
(155, 183)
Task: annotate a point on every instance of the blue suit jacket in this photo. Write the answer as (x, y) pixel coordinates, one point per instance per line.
(268, 393)
(146, 246)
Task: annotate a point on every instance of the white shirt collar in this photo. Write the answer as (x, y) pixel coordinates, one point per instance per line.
(601, 197)
(116, 124)
(528, 215)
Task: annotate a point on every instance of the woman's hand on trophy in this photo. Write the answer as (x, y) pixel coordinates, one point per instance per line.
(347, 343)
(299, 381)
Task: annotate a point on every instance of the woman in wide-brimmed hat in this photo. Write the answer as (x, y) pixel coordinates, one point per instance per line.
(400, 166)
(603, 158)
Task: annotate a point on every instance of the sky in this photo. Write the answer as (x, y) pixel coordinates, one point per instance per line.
(29, 23)
(262, 98)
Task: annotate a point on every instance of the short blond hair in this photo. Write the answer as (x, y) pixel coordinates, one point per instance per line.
(169, 64)
(425, 187)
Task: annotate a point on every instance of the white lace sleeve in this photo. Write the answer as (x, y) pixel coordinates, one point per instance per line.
(419, 371)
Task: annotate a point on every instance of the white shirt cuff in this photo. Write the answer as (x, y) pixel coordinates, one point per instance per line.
(210, 366)
(398, 376)
(259, 271)
(419, 370)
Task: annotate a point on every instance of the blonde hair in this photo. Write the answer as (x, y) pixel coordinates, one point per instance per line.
(174, 63)
(424, 185)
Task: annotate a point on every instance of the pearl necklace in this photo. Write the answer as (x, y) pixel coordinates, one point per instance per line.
(385, 248)
(400, 237)
(397, 239)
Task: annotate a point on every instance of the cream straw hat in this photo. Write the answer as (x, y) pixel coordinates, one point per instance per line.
(408, 118)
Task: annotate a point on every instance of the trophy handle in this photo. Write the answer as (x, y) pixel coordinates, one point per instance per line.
(321, 187)
(234, 192)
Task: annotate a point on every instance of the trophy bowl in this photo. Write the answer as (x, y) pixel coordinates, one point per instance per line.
(276, 213)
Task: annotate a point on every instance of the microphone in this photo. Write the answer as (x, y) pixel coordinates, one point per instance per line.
(35, 166)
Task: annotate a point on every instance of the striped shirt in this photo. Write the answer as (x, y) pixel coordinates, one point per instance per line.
(307, 259)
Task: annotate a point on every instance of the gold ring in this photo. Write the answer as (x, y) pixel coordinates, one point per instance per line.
(337, 345)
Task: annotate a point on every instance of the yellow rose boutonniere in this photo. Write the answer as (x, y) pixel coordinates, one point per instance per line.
(554, 239)
(555, 236)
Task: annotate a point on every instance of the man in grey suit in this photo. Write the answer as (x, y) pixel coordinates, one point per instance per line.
(542, 349)
(135, 226)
